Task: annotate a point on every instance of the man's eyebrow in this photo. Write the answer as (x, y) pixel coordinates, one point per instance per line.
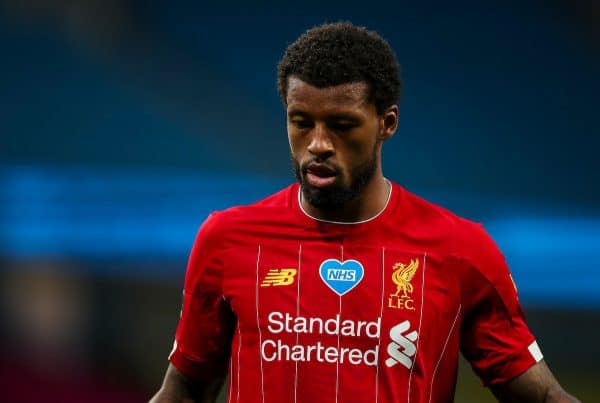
(343, 116)
(330, 117)
(297, 112)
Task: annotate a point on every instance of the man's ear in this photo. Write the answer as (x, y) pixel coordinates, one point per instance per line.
(388, 123)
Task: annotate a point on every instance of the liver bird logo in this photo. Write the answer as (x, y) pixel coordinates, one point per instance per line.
(402, 276)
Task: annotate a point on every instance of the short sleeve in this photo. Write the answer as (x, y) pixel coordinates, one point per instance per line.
(201, 347)
(494, 336)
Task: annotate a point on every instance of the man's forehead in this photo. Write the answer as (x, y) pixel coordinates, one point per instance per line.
(348, 94)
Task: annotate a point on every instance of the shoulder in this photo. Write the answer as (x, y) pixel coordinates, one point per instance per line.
(437, 223)
(225, 228)
(468, 245)
(463, 230)
(259, 210)
(427, 213)
(475, 258)
(473, 244)
(219, 224)
(462, 238)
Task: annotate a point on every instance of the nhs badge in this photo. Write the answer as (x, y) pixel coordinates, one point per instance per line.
(341, 277)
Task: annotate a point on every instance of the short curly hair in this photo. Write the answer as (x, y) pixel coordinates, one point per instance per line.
(340, 53)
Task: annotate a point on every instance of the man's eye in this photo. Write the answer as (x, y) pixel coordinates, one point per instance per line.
(302, 124)
(342, 127)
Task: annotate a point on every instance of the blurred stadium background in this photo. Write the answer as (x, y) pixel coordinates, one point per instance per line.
(123, 123)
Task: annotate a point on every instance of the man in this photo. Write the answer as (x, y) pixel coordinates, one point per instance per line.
(346, 287)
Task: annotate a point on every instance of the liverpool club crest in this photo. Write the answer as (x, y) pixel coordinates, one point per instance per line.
(402, 277)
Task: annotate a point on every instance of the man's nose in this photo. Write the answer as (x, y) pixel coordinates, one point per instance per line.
(321, 143)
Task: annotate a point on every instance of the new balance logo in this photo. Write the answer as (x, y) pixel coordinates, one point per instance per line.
(402, 347)
(276, 277)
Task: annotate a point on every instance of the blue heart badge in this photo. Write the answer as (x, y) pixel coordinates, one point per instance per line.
(341, 277)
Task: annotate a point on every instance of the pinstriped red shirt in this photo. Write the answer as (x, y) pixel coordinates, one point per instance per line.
(295, 309)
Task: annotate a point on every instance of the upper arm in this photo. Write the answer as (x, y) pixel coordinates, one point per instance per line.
(202, 341)
(206, 325)
(494, 336)
(537, 384)
(179, 388)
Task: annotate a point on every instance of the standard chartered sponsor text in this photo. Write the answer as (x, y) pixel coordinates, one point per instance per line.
(274, 349)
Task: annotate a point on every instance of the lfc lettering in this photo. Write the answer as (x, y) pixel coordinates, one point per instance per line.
(401, 302)
(402, 277)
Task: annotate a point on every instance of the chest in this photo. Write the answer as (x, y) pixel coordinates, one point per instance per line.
(341, 292)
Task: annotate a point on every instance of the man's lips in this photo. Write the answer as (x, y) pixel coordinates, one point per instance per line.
(319, 175)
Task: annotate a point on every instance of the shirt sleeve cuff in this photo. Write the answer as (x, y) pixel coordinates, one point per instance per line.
(514, 366)
(196, 369)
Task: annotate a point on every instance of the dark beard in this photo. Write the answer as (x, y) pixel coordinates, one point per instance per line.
(336, 195)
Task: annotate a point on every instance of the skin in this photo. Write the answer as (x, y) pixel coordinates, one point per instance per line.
(537, 384)
(179, 388)
(338, 127)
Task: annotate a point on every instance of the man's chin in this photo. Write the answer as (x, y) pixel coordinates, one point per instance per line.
(326, 198)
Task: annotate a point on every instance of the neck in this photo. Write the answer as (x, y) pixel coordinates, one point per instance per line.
(367, 205)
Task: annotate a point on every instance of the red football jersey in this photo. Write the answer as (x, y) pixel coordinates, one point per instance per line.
(302, 310)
